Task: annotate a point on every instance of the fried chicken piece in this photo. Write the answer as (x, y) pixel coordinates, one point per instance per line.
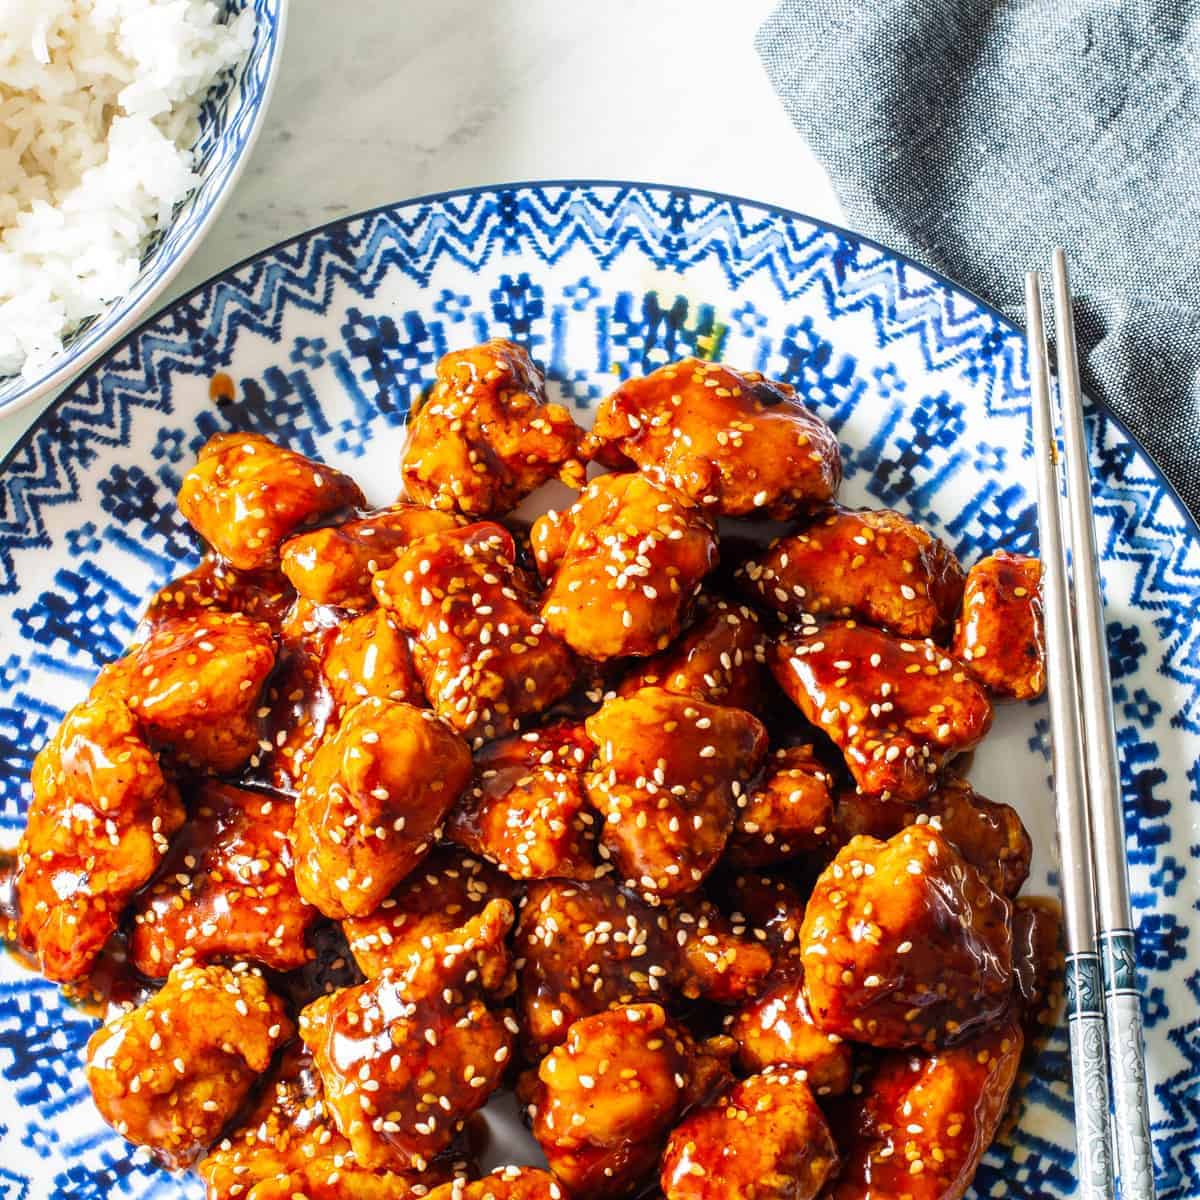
(623, 563)
(775, 1027)
(485, 657)
(718, 962)
(407, 1057)
(897, 710)
(440, 896)
(766, 1139)
(170, 1073)
(335, 565)
(722, 659)
(98, 825)
(287, 1145)
(245, 495)
(504, 1183)
(296, 710)
(373, 802)
(732, 441)
(263, 596)
(485, 437)
(225, 889)
(990, 836)
(904, 944)
(195, 684)
(668, 771)
(871, 564)
(999, 635)
(586, 946)
(605, 1100)
(527, 808)
(368, 656)
(789, 812)
(928, 1118)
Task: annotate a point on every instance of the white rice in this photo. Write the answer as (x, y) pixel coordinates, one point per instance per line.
(98, 103)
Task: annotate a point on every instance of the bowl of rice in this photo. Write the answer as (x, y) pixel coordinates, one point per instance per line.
(124, 125)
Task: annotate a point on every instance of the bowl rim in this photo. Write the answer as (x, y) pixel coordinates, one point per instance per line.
(66, 367)
(127, 335)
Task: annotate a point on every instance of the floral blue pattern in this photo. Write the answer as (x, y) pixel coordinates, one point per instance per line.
(328, 340)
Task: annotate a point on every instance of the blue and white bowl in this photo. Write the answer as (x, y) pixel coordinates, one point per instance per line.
(327, 339)
(230, 119)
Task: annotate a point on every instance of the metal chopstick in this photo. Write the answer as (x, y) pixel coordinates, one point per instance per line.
(1085, 1014)
(1115, 942)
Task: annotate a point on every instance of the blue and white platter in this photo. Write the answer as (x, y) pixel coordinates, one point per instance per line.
(327, 340)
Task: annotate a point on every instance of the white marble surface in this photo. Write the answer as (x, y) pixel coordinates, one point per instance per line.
(379, 100)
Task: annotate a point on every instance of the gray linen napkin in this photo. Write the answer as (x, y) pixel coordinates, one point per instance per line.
(975, 135)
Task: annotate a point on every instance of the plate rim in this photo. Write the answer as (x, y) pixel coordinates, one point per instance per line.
(101, 360)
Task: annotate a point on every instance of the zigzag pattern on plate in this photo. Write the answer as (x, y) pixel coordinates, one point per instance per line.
(903, 302)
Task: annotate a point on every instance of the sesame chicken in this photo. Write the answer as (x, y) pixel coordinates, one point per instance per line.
(927, 1119)
(263, 596)
(527, 809)
(504, 1183)
(194, 684)
(245, 495)
(667, 775)
(170, 1073)
(373, 803)
(585, 946)
(721, 658)
(775, 1028)
(718, 961)
(990, 836)
(789, 811)
(623, 564)
(485, 437)
(486, 659)
(98, 825)
(582, 947)
(732, 441)
(766, 1139)
(468, 785)
(871, 564)
(904, 944)
(1000, 635)
(441, 895)
(287, 1145)
(898, 710)
(368, 656)
(335, 565)
(297, 706)
(605, 1100)
(225, 888)
(407, 1057)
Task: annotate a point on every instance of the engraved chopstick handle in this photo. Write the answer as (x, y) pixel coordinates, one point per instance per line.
(1127, 1063)
(1089, 1070)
